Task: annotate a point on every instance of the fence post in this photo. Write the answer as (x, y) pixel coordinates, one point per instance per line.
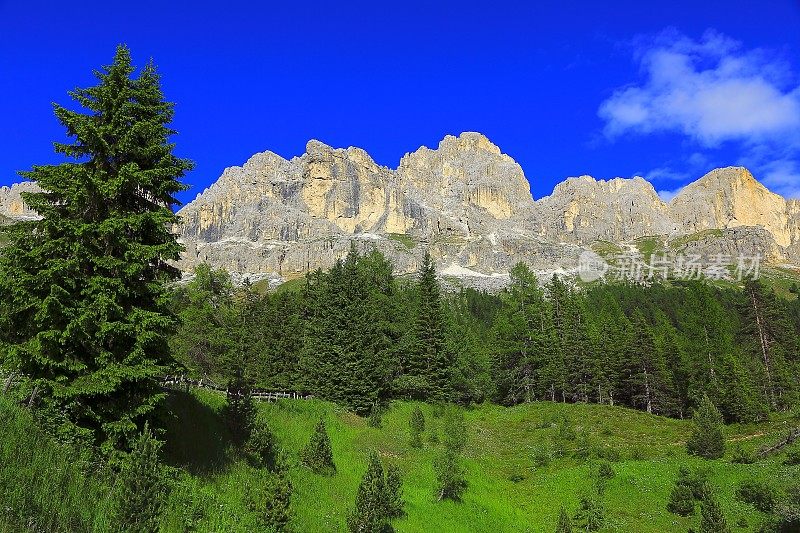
(9, 380)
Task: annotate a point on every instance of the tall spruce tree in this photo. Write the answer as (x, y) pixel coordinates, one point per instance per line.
(202, 339)
(427, 369)
(83, 287)
(523, 339)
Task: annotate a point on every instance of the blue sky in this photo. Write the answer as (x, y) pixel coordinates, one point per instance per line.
(667, 90)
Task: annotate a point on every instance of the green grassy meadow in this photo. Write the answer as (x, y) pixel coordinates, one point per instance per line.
(507, 490)
(518, 479)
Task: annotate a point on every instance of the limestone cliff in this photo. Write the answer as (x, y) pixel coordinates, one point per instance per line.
(731, 197)
(464, 201)
(585, 210)
(11, 203)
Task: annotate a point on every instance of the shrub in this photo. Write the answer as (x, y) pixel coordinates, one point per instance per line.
(605, 470)
(742, 456)
(608, 453)
(707, 439)
(565, 430)
(787, 513)
(584, 446)
(792, 457)
(240, 411)
(681, 501)
(696, 480)
(449, 476)
(317, 455)
(261, 448)
(268, 497)
(141, 486)
(758, 494)
(375, 418)
(417, 426)
(454, 431)
(542, 455)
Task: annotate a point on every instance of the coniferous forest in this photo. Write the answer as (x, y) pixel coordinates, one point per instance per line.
(360, 337)
(552, 405)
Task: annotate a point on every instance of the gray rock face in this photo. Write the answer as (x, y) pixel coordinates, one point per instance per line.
(585, 210)
(467, 203)
(11, 204)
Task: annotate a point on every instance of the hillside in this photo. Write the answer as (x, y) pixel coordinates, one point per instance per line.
(508, 490)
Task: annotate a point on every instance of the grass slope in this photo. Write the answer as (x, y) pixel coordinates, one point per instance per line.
(507, 491)
(42, 487)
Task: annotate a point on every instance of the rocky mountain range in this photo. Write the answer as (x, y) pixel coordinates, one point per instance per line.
(468, 204)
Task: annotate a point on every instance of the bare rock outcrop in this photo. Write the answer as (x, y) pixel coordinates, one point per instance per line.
(11, 204)
(466, 203)
(585, 210)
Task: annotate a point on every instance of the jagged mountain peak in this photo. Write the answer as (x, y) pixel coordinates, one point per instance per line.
(465, 201)
(589, 185)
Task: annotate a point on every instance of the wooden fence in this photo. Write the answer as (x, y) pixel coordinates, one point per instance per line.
(186, 383)
(182, 382)
(790, 438)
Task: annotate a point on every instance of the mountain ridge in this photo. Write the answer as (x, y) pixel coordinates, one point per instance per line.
(466, 202)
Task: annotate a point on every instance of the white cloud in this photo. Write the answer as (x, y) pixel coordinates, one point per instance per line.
(709, 90)
(782, 176)
(713, 92)
(667, 195)
(665, 174)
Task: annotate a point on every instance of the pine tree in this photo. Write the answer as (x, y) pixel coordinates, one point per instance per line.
(417, 426)
(712, 519)
(681, 500)
(202, 339)
(707, 439)
(564, 523)
(371, 513)
(769, 337)
(86, 315)
(139, 490)
(648, 380)
(268, 495)
(394, 492)
(523, 339)
(318, 455)
(427, 370)
(350, 343)
(240, 410)
(591, 514)
(450, 476)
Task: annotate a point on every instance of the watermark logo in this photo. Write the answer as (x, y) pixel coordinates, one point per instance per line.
(632, 266)
(591, 267)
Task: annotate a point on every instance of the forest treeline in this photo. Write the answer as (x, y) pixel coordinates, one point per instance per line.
(360, 336)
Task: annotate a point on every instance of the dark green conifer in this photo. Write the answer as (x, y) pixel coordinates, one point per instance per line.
(318, 455)
(85, 309)
(707, 439)
(140, 487)
(564, 523)
(428, 366)
(417, 426)
(240, 410)
(712, 518)
(371, 513)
